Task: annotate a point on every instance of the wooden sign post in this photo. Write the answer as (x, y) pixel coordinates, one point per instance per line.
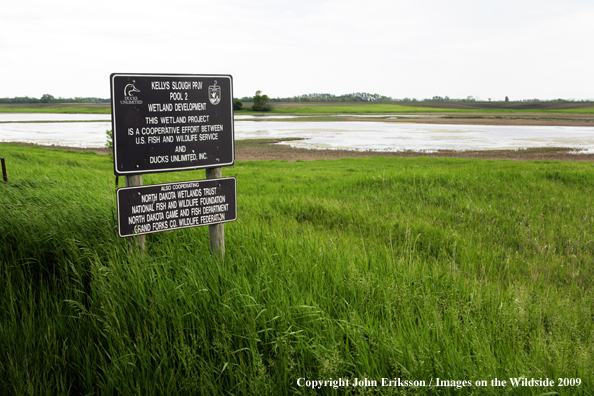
(139, 239)
(216, 232)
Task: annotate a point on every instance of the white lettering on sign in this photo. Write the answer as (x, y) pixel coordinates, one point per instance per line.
(189, 193)
(137, 219)
(189, 106)
(178, 96)
(209, 136)
(153, 107)
(184, 158)
(190, 129)
(159, 130)
(166, 196)
(187, 138)
(159, 226)
(212, 218)
(165, 85)
(159, 84)
(138, 229)
(172, 105)
(188, 203)
(171, 214)
(176, 205)
(188, 222)
(181, 186)
(181, 85)
(216, 208)
(212, 128)
(159, 159)
(212, 200)
(148, 198)
(154, 216)
(202, 118)
(143, 208)
(173, 120)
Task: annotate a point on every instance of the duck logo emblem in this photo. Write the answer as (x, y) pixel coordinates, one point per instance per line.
(130, 89)
(214, 93)
(130, 97)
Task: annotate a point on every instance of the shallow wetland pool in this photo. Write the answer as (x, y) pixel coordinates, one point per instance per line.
(88, 130)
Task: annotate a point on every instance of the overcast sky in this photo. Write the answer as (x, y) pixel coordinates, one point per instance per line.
(416, 48)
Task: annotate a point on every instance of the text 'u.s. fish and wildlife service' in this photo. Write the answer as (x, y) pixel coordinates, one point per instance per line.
(164, 123)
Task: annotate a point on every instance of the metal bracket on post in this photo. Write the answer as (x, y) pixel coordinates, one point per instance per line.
(138, 240)
(216, 231)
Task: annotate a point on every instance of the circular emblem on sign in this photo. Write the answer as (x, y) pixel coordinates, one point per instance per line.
(214, 93)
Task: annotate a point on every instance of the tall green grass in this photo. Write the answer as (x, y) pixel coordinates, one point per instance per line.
(357, 268)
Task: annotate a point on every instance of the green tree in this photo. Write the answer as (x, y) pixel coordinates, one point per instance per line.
(261, 102)
(237, 104)
(46, 98)
(506, 99)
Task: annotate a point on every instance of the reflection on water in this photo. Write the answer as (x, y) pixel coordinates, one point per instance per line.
(353, 135)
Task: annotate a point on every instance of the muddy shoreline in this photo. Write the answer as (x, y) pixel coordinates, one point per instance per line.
(268, 149)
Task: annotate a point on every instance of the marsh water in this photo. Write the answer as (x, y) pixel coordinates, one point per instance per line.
(88, 130)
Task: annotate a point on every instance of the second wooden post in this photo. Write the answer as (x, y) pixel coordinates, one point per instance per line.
(216, 231)
(138, 240)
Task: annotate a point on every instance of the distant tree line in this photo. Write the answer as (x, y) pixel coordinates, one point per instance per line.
(313, 98)
(553, 100)
(47, 98)
(376, 98)
(473, 99)
(448, 99)
(330, 98)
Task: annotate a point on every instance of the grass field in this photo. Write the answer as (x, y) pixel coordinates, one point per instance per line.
(395, 108)
(345, 108)
(417, 269)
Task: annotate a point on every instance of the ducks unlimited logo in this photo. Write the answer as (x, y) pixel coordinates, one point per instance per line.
(129, 95)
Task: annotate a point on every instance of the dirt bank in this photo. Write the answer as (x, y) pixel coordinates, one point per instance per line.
(268, 149)
(263, 150)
